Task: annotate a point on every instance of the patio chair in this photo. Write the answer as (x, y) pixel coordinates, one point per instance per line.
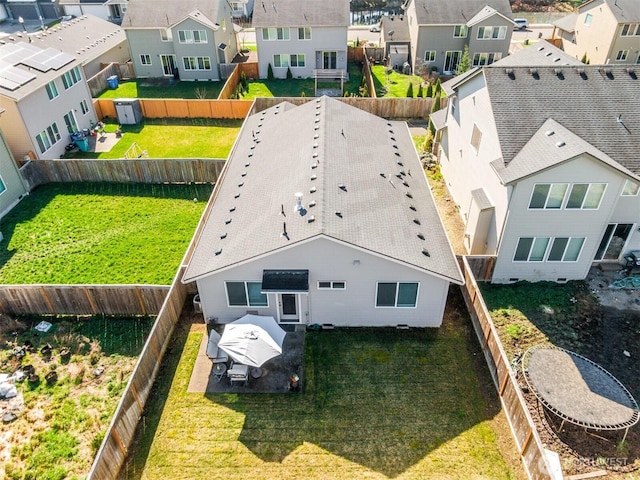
(216, 354)
(238, 373)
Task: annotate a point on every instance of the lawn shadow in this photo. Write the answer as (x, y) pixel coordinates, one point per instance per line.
(382, 398)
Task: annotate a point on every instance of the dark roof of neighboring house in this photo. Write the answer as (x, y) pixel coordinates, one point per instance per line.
(300, 13)
(539, 54)
(397, 24)
(166, 13)
(83, 39)
(456, 12)
(625, 11)
(357, 169)
(599, 104)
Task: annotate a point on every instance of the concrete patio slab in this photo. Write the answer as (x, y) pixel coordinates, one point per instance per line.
(103, 142)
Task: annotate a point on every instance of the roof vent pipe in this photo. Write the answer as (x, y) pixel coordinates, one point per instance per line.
(298, 206)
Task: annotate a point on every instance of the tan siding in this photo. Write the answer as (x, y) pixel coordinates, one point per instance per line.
(14, 130)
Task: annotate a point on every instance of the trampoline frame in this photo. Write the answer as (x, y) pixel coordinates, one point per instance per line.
(620, 426)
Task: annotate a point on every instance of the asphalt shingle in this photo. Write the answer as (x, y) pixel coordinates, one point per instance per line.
(300, 13)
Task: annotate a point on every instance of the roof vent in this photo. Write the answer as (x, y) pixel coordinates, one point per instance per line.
(247, 164)
(393, 139)
(416, 221)
(315, 155)
(312, 203)
(632, 73)
(315, 145)
(237, 195)
(227, 221)
(243, 174)
(317, 127)
(561, 143)
(313, 190)
(298, 206)
(408, 194)
(314, 165)
(250, 154)
(548, 54)
(241, 184)
(311, 219)
(339, 214)
(425, 252)
(558, 72)
(218, 251)
(540, 48)
(232, 209)
(383, 175)
(223, 236)
(405, 183)
(548, 133)
(412, 207)
(533, 71)
(400, 163)
(420, 236)
(342, 187)
(313, 177)
(316, 136)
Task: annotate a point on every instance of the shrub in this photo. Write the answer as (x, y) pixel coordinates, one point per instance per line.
(429, 93)
(410, 90)
(243, 81)
(420, 92)
(428, 141)
(269, 72)
(289, 74)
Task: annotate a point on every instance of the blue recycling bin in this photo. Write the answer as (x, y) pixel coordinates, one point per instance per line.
(112, 81)
(83, 144)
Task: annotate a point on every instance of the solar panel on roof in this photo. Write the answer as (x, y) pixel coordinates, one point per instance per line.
(8, 84)
(57, 59)
(16, 75)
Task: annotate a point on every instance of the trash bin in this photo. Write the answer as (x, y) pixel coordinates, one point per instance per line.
(83, 144)
(112, 81)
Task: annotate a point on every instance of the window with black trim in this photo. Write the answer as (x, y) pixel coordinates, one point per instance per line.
(397, 294)
(331, 285)
(245, 294)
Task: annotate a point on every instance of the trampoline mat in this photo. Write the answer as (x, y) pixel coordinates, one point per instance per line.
(578, 390)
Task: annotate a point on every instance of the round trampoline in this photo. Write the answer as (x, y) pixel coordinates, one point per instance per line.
(578, 390)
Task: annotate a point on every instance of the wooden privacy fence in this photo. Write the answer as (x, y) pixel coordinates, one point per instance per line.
(523, 429)
(368, 77)
(179, 108)
(119, 435)
(82, 299)
(98, 83)
(391, 108)
(140, 170)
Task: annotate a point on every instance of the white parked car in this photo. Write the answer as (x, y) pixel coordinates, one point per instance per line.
(521, 24)
(374, 28)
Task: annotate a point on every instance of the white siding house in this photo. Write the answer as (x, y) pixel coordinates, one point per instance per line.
(539, 154)
(334, 225)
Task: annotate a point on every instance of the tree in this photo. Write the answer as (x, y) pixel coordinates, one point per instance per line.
(464, 65)
(420, 92)
(584, 59)
(436, 104)
(410, 90)
(437, 89)
(269, 72)
(289, 74)
(429, 93)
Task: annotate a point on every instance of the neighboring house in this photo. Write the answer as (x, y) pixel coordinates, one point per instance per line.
(110, 10)
(93, 41)
(308, 37)
(334, 224)
(12, 188)
(43, 10)
(396, 41)
(439, 31)
(542, 161)
(242, 9)
(45, 97)
(189, 39)
(607, 31)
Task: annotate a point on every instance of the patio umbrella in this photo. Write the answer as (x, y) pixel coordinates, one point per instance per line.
(252, 339)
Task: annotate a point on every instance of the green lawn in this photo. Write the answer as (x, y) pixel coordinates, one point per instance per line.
(377, 404)
(396, 84)
(145, 89)
(193, 138)
(296, 87)
(72, 233)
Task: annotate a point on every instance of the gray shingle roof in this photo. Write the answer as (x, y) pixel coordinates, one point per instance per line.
(301, 13)
(550, 145)
(537, 55)
(166, 13)
(568, 23)
(625, 11)
(84, 38)
(458, 12)
(398, 25)
(279, 152)
(586, 99)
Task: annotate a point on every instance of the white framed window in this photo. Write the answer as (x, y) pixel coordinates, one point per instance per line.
(630, 189)
(70, 122)
(548, 196)
(166, 35)
(331, 285)
(275, 33)
(52, 90)
(145, 59)
(84, 106)
(480, 59)
(192, 36)
(281, 61)
(48, 137)
(630, 30)
(492, 33)
(586, 196)
(245, 294)
(304, 33)
(397, 294)
(622, 55)
(297, 60)
(587, 19)
(476, 138)
(460, 31)
(196, 63)
(70, 78)
(565, 249)
(539, 249)
(430, 56)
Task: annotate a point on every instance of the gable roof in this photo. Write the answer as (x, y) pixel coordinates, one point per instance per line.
(568, 23)
(357, 169)
(625, 11)
(300, 13)
(539, 54)
(551, 145)
(458, 12)
(167, 13)
(600, 104)
(398, 25)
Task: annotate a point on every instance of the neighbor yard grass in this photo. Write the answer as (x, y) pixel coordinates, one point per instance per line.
(61, 425)
(376, 404)
(71, 233)
(296, 87)
(172, 138)
(142, 88)
(396, 84)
